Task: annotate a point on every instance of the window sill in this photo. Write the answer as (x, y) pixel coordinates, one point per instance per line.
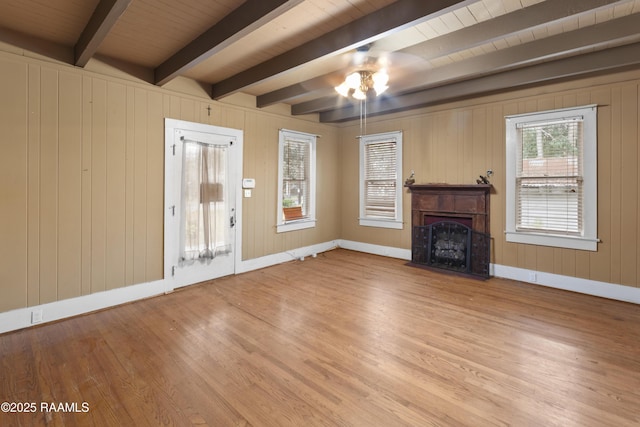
(381, 223)
(557, 241)
(299, 224)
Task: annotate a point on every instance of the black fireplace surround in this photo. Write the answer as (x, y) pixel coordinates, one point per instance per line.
(450, 228)
(452, 246)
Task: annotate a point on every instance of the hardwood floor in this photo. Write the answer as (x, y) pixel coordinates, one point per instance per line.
(346, 339)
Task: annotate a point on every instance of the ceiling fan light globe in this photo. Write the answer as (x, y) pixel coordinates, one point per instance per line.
(381, 78)
(343, 89)
(359, 94)
(353, 80)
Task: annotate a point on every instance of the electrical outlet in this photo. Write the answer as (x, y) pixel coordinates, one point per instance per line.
(533, 277)
(36, 316)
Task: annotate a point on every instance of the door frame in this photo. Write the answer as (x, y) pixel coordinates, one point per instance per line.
(171, 234)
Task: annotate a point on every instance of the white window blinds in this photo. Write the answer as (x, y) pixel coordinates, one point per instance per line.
(380, 179)
(549, 177)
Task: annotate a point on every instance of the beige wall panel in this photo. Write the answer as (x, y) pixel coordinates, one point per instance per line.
(443, 144)
(495, 162)
(256, 212)
(480, 149)
(568, 262)
(218, 115)
(545, 259)
(129, 230)
(188, 110)
(155, 187)
(328, 187)
(70, 186)
(615, 190)
(49, 186)
(635, 133)
(98, 185)
(33, 186)
(13, 185)
(600, 262)
(469, 165)
(629, 189)
(139, 186)
(583, 268)
(85, 225)
(172, 107)
(557, 261)
(263, 136)
(350, 229)
(547, 103)
(116, 188)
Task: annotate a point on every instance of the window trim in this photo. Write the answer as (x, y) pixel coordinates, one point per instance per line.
(309, 221)
(589, 240)
(397, 222)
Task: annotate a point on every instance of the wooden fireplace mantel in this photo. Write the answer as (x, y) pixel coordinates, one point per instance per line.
(453, 201)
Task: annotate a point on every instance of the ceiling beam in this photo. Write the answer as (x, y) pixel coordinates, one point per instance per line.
(498, 28)
(475, 35)
(615, 32)
(249, 16)
(299, 89)
(382, 22)
(104, 17)
(609, 60)
(621, 31)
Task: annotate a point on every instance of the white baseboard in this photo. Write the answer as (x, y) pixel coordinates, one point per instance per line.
(22, 318)
(376, 249)
(279, 258)
(568, 283)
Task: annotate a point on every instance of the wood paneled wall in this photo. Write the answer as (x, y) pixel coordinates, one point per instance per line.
(259, 216)
(81, 176)
(457, 142)
(82, 179)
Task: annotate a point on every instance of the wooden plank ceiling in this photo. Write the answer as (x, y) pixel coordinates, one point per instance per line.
(296, 51)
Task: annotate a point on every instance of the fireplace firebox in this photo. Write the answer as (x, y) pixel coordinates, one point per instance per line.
(450, 226)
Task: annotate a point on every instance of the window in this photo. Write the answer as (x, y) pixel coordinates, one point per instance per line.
(296, 181)
(552, 178)
(381, 180)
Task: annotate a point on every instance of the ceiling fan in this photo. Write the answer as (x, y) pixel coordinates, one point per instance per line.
(368, 76)
(371, 69)
(365, 74)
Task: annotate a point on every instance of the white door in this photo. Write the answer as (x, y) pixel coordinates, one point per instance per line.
(202, 183)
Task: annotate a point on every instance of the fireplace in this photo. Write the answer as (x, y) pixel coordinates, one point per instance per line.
(450, 225)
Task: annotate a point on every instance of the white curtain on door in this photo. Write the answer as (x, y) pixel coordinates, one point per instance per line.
(205, 228)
